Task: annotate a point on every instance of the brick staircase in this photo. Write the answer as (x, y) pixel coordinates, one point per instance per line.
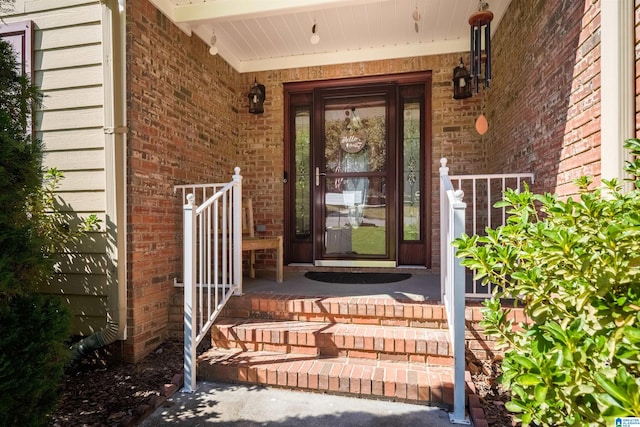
(378, 347)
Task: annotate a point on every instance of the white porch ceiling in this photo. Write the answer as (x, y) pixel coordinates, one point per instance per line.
(258, 35)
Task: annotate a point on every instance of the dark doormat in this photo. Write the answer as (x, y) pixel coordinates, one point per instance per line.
(359, 278)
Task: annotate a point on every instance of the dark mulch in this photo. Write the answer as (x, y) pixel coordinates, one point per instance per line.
(99, 391)
(484, 374)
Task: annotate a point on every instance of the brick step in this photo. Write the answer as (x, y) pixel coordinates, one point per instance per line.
(365, 310)
(395, 343)
(400, 381)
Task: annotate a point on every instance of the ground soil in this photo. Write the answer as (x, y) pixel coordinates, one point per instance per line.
(484, 374)
(99, 391)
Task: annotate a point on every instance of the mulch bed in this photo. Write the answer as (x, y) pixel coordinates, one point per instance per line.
(99, 391)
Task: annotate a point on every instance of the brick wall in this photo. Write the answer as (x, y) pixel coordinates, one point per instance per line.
(261, 136)
(183, 118)
(543, 106)
(637, 51)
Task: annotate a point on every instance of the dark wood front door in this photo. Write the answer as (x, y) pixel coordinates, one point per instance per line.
(357, 168)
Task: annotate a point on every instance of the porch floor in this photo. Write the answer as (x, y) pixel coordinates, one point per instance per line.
(423, 285)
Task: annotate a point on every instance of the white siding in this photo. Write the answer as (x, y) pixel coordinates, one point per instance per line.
(68, 68)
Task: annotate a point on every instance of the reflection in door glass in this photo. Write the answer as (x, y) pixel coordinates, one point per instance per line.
(355, 184)
(355, 138)
(411, 172)
(356, 219)
(302, 178)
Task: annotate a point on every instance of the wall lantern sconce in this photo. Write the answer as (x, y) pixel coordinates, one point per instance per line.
(479, 21)
(257, 95)
(461, 82)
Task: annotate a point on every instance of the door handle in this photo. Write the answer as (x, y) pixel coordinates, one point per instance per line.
(318, 174)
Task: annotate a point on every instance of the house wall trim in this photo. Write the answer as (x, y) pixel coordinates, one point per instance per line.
(617, 90)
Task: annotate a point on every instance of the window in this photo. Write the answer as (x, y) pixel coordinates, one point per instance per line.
(20, 36)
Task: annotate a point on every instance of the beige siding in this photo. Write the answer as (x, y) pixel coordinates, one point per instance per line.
(65, 78)
(73, 56)
(75, 160)
(81, 181)
(70, 119)
(82, 12)
(68, 69)
(72, 139)
(78, 284)
(84, 202)
(73, 98)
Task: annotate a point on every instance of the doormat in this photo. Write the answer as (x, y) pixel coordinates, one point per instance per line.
(356, 278)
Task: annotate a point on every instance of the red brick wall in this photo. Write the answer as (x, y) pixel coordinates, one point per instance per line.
(183, 128)
(543, 106)
(261, 136)
(637, 50)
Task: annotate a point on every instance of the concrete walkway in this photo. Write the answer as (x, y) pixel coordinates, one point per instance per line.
(250, 405)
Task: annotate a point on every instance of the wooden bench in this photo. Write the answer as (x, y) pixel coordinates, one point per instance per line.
(252, 243)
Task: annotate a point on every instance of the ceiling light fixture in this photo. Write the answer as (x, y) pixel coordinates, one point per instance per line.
(416, 17)
(213, 50)
(315, 38)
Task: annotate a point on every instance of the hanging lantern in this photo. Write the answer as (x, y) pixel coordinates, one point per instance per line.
(461, 82)
(481, 22)
(257, 95)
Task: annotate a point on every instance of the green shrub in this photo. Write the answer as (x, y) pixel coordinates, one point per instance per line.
(21, 258)
(575, 267)
(32, 232)
(32, 358)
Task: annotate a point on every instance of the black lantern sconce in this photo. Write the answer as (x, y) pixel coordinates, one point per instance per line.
(257, 95)
(479, 21)
(461, 82)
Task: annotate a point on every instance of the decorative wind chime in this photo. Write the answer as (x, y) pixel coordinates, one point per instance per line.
(465, 82)
(480, 22)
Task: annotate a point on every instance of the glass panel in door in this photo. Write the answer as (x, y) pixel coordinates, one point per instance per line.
(411, 221)
(301, 176)
(355, 178)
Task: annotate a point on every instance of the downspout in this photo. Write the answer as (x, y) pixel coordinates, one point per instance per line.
(617, 90)
(115, 131)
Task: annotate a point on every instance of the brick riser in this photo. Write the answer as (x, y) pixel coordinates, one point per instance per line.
(375, 347)
(354, 310)
(407, 382)
(391, 343)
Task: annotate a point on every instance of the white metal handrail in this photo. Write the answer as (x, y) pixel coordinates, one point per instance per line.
(212, 260)
(452, 225)
(483, 192)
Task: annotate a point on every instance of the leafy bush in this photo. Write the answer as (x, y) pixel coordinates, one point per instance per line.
(575, 267)
(32, 358)
(21, 258)
(32, 231)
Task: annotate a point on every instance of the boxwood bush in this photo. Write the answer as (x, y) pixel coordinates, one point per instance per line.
(574, 266)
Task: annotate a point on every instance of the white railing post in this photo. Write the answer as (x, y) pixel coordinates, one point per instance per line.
(458, 415)
(237, 230)
(452, 225)
(189, 271)
(444, 228)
